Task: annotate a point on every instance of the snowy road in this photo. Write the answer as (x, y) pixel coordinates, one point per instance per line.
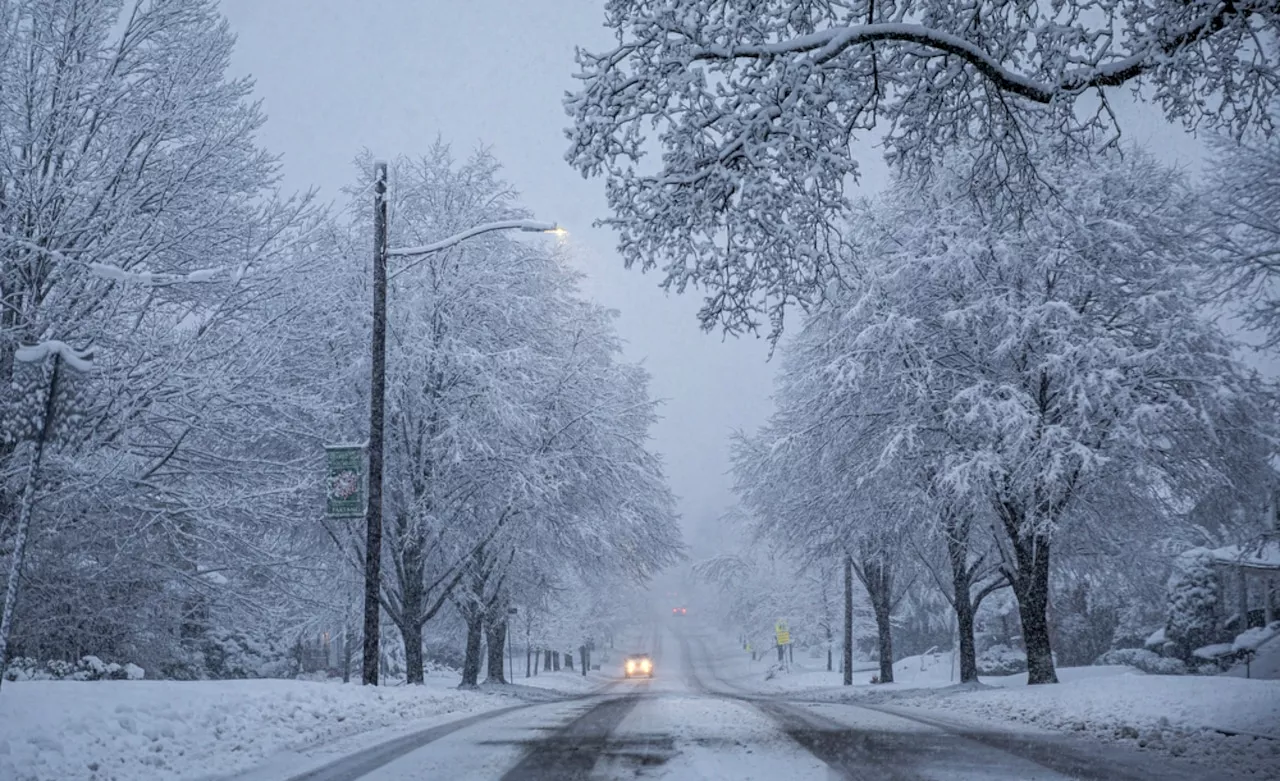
(689, 723)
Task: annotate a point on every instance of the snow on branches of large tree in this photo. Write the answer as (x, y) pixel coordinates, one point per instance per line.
(1029, 358)
(1243, 197)
(752, 107)
(129, 175)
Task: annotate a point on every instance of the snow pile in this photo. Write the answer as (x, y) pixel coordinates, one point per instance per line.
(1143, 659)
(1218, 721)
(1250, 640)
(1213, 651)
(152, 730)
(1266, 661)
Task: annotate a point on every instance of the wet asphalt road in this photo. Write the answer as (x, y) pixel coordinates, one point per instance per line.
(690, 723)
(850, 742)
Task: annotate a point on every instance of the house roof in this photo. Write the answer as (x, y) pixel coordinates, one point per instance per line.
(1263, 554)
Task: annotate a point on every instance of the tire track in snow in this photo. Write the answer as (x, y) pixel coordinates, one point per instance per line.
(571, 752)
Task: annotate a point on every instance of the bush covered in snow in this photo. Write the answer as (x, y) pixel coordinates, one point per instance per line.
(1000, 659)
(231, 653)
(88, 668)
(1144, 660)
(1193, 594)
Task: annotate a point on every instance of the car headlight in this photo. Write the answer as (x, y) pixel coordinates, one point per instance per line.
(646, 666)
(631, 667)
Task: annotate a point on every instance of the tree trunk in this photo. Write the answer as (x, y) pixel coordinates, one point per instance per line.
(1031, 587)
(555, 660)
(884, 632)
(968, 648)
(961, 585)
(471, 662)
(846, 653)
(877, 578)
(25, 508)
(412, 636)
(528, 662)
(496, 636)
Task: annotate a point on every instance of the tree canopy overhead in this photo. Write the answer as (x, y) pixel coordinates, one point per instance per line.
(752, 106)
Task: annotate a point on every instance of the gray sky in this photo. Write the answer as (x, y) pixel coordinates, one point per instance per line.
(338, 75)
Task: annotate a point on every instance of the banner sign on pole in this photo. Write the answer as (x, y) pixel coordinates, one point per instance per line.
(344, 488)
(783, 633)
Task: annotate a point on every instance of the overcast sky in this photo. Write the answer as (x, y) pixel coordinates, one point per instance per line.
(336, 76)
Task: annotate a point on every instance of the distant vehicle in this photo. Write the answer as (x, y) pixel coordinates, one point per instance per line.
(638, 664)
(679, 611)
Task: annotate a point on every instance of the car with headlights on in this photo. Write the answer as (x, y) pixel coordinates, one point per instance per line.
(636, 665)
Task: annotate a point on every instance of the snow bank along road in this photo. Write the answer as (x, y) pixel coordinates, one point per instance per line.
(690, 723)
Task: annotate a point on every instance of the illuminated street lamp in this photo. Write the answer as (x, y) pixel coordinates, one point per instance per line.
(378, 390)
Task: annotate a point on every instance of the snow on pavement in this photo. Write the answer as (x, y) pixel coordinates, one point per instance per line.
(694, 737)
(174, 730)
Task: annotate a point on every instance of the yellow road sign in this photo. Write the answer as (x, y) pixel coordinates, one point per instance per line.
(783, 632)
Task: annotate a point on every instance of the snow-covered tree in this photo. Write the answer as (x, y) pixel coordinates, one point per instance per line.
(1243, 198)
(516, 437)
(1061, 347)
(754, 108)
(1194, 609)
(137, 216)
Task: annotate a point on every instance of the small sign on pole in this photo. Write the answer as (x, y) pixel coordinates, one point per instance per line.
(783, 632)
(344, 486)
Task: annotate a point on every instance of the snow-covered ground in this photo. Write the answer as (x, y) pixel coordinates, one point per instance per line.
(145, 730)
(1216, 721)
(1184, 716)
(568, 681)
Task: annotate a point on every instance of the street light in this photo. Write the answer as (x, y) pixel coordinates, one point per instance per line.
(378, 392)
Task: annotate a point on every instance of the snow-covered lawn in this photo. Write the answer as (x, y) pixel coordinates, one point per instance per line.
(145, 730)
(1181, 715)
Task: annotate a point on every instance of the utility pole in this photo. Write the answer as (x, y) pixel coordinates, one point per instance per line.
(377, 401)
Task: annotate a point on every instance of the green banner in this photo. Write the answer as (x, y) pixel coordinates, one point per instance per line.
(344, 488)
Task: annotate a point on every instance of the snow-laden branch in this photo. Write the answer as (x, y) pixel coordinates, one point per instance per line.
(115, 273)
(80, 360)
(829, 44)
(157, 279)
(529, 226)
